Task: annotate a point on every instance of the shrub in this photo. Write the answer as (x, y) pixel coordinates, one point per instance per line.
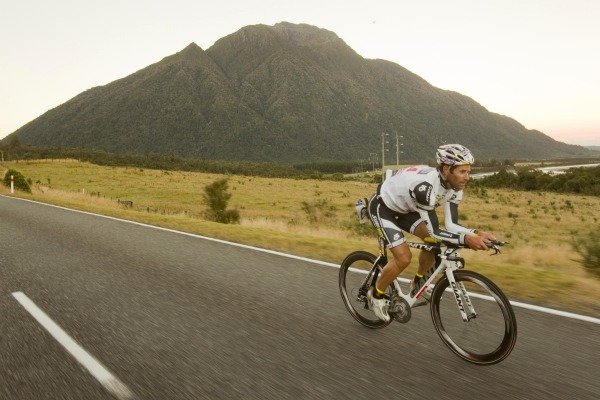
(227, 216)
(364, 229)
(19, 180)
(216, 198)
(317, 210)
(589, 248)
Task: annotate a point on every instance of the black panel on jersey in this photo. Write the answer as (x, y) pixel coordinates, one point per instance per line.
(422, 193)
(454, 212)
(441, 233)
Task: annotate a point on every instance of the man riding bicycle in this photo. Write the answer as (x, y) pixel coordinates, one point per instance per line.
(406, 201)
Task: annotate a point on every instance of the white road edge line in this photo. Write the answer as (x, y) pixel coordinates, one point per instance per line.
(104, 376)
(515, 303)
(318, 262)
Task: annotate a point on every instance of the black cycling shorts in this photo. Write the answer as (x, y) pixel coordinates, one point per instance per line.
(390, 224)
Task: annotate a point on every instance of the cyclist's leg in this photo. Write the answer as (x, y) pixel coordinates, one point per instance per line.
(426, 258)
(395, 266)
(389, 225)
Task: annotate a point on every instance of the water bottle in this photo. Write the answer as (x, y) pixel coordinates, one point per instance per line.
(360, 208)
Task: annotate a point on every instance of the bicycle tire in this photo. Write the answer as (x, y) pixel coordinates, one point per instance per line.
(496, 338)
(353, 271)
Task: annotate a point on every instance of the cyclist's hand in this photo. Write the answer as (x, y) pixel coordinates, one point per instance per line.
(487, 236)
(476, 242)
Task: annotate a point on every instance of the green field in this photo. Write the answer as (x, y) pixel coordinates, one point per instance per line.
(315, 218)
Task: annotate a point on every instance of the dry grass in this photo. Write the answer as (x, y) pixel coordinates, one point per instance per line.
(316, 219)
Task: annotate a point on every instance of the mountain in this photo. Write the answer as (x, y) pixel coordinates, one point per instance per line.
(287, 93)
(595, 148)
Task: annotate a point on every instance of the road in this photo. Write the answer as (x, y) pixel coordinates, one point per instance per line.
(173, 316)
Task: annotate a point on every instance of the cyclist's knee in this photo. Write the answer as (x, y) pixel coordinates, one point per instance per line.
(402, 257)
(421, 230)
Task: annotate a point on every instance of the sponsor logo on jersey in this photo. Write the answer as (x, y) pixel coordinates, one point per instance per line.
(422, 193)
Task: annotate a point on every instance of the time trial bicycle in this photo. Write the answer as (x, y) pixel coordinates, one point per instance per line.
(470, 313)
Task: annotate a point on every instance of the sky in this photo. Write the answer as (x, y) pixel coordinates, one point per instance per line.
(537, 61)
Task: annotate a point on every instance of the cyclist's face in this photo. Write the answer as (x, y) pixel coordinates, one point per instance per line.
(459, 176)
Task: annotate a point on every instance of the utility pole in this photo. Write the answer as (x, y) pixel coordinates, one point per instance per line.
(398, 144)
(2, 155)
(383, 142)
(398, 149)
(373, 156)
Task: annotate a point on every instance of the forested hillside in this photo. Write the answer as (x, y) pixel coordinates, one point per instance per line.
(284, 93)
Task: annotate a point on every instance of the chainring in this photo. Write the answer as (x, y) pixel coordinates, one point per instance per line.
(399, 309)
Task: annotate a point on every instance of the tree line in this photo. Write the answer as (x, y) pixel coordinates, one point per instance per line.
(581, 180)
(316, 170)
(576, 180)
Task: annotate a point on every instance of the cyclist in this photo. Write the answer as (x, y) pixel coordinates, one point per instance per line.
(407, 201)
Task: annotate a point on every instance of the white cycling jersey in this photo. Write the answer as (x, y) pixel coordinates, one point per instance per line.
(420, 189)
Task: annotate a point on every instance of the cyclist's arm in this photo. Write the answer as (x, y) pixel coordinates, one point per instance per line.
(424, 198)
(433, 227)
(452, 225)
(451, 219)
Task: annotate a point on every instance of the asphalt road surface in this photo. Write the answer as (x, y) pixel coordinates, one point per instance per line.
(171, 316)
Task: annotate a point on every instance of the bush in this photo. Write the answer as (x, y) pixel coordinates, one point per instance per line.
(364, 229)
(216, 198)
(19, 180)
(318, 210)
(226, 216)
(589, 248)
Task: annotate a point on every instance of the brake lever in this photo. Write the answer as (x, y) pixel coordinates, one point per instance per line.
(496, 250)
(495, 245)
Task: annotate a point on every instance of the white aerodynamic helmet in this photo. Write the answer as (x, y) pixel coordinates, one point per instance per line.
(453, 154)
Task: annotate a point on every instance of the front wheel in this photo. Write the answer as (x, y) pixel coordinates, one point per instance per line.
(355, 280)
(490, 333)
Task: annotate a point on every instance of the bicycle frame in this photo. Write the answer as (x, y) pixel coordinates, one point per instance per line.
(448, 260)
